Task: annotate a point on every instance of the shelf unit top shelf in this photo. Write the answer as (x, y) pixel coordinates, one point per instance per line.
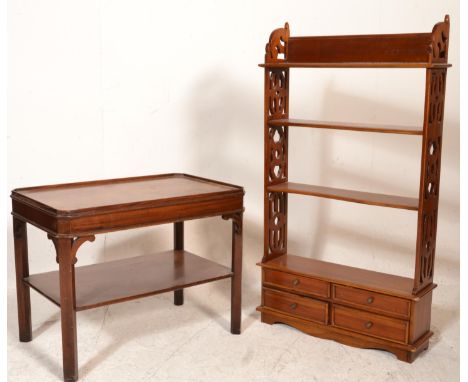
(403, 50)
(354, 65)
(350, 126)
(369, 198)
(346, 275)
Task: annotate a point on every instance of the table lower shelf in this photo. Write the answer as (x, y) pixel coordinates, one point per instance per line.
(117, 281)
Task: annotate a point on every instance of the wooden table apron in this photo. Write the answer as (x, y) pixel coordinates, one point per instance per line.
(70, 229)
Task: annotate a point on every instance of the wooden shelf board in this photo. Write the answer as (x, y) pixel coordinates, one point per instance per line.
(409, 65)
(346, 275)
(122, 280)
(382, 200)
(364, 127)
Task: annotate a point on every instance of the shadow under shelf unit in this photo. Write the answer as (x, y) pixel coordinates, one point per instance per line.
(354, 306)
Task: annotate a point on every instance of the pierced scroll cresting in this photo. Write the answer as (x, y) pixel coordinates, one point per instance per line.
(440, 41)
(277, 47)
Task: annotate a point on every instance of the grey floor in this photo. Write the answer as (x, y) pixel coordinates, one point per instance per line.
(153, 340)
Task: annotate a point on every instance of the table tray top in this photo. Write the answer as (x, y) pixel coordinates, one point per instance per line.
(137, 192)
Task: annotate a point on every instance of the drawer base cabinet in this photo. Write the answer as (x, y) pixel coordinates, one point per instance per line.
(330, 302)
(353, 306)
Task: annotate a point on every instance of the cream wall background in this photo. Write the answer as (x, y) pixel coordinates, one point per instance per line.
(104, 89)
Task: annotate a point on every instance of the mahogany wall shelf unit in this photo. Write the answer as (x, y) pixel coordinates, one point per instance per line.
(74, 213)
(353, 306)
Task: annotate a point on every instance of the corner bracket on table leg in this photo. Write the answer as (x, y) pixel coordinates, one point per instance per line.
(76, 243)
(236, 221)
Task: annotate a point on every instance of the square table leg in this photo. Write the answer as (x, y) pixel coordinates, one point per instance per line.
(22, 271)
(236, 281)
(179, 245)
(66, 258)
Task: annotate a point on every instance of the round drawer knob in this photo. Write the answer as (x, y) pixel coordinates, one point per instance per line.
(370, 300)
(293, 305)
(296, 282)
(368, 325)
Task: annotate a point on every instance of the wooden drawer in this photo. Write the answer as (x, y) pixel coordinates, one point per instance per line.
(297, 283)
(371, 300)
(304, 307)
(370, 323)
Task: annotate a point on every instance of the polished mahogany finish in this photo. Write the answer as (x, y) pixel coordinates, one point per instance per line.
(309, 308)
(296, 283)
(372, 301)
(366, 309)
(73, 213)
(371, 324)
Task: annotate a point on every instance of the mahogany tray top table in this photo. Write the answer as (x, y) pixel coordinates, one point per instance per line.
(73, 213)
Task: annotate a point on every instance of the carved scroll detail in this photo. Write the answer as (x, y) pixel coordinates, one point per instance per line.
(429, 196)
(277, 154)
(75, 244)
(277, 206)
(236, 220)
(440, 41)
(277, 45)
(277, 93)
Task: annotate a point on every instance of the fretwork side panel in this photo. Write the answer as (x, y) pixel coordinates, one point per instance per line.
(277, 224)
(276, 145)
(276, 137)
(430, 178)
(431, 158)
(276, 162)
(277, 154)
